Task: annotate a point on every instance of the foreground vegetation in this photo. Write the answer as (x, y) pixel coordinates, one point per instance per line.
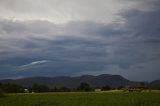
(82, 99)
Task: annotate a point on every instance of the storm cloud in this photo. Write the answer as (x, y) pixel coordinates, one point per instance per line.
(52, 38)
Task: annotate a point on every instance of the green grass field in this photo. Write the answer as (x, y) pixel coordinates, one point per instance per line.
(82, 99)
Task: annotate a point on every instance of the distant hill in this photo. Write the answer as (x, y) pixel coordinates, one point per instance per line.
(73, 82)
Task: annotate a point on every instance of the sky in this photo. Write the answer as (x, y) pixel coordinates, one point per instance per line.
(79, 37)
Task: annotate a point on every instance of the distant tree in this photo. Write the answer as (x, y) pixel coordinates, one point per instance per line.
(142, 83)
(54, 89)
(30, 89)
(64, 89)
(107, 87)
(85, 87)
(1, 93)
(40, 88)
(12, 88)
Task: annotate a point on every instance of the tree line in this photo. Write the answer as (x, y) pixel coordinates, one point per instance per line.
(82, 87)
(15, 88)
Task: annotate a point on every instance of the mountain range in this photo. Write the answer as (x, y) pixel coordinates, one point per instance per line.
(73, 82)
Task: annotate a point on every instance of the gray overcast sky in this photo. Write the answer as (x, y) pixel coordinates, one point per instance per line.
(76, 37)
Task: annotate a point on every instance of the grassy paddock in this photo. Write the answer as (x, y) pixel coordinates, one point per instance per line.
(83, 99)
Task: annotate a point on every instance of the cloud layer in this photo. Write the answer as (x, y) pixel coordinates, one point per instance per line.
(61, 11)
(80, 37)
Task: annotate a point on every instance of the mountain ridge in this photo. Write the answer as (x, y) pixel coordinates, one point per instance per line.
(73, 82)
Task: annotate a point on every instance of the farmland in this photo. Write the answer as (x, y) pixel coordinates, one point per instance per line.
(82, 99)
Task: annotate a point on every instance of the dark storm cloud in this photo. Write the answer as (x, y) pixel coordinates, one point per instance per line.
(70, 55)
(131, 49)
